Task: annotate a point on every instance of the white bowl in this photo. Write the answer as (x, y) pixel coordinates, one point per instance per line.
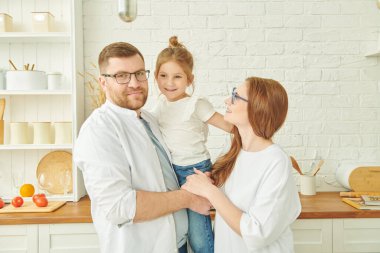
(26, 80)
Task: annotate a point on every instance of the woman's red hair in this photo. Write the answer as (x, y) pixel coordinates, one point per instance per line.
(267, 110)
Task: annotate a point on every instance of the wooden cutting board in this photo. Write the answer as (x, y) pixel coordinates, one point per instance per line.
(365, 179)
(30, 207)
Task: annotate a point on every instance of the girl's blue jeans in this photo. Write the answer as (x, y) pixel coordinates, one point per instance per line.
(201, 237)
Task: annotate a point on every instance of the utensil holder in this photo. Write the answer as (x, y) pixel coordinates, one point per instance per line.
(308, 185)
(63, 132)
(1, 131)
(19, 133)
(41, 133)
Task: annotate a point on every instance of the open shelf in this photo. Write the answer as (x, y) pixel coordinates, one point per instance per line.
(34, 37)
(35, 146)
(35, 92)
(374, 53)
(61, 51)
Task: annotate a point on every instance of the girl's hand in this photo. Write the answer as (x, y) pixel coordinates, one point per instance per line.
(199, 184)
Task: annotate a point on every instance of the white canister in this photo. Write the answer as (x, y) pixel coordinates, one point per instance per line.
(6, 22)
(42, 22)
(41, 133)
(54, 80)
(63, 132)
(19, 132)
(308, 185)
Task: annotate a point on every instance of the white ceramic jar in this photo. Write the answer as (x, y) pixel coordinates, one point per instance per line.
(6, 22)
(54, 80)
(19, 132)
(308, 185)
(63, 132)
(41, 133)
(42, 22)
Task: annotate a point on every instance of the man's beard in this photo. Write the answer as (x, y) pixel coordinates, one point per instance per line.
(132, 104)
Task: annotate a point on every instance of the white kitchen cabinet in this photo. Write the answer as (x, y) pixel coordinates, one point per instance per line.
(49, 238)
(19, 238)
(356, 235)
(60, 50)
(312, 236)
(337, 235)
(68, 238)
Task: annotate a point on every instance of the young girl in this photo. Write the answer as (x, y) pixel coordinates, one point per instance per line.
(183, 121)
(259, 200)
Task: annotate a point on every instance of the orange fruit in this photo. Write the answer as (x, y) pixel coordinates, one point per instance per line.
(27, 190)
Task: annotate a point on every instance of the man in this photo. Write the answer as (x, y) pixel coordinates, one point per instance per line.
(136, 203)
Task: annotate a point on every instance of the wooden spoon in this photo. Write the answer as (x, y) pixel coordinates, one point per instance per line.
(2, 108)
(295, 165)
(317, 168)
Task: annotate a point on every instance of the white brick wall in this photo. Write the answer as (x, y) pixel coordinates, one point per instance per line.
(315, 48)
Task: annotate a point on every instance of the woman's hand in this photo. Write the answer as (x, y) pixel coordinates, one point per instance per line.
(199, 184)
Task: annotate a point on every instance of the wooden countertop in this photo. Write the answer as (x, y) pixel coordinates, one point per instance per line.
(71, 212)
(324, 205)
(327, 205)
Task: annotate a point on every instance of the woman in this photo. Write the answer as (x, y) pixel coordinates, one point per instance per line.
(257, 200)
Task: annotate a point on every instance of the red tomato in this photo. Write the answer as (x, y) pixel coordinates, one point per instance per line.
(36, 196)
(17, 201)
(1, 203)
(41, 202)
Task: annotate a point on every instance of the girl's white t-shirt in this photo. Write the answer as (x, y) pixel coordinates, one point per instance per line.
(184, 128)
(262, 186)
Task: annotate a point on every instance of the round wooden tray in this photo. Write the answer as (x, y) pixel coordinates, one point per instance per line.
(51, 171)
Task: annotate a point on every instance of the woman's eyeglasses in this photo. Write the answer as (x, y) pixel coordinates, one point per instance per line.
(125, 77)
(235, 96)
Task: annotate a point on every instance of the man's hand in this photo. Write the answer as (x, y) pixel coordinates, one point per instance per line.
(198, 204)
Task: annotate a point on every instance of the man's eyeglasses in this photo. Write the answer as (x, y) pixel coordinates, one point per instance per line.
(125, 77)
(235, 96)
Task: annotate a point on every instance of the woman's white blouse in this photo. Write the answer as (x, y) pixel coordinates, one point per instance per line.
(262, 186)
